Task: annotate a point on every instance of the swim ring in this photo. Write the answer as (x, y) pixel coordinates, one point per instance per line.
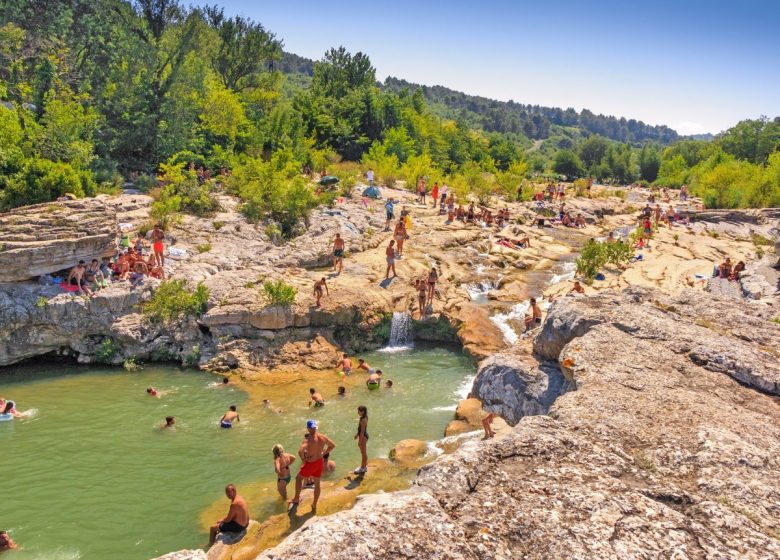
(6, 417)
(372, 386)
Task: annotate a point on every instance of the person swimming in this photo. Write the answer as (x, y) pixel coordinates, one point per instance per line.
(267, 404)
(152, 392)
(229, 417)
(389, 383)
(342, 391)
(169, 422)
(316, 398)
(374, 379)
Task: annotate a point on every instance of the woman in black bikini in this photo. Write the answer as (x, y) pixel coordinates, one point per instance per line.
(282, 462)
(422, 295)
(433, 277)
(362, 437)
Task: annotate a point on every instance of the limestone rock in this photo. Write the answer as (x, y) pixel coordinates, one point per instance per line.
(409, 452)
(45, 238)
(184, 555)
(470, 411)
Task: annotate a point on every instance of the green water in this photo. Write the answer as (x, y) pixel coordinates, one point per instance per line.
(91, 475)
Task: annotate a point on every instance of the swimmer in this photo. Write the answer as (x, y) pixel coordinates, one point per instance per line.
(6, 543)
(345, 364)
(152, 392)
(362, 364)
(316, 399)
(389, 384)
(374, 379)
(225, 381)
(169, 422)
(282, 462)
(342, 391)
(267, 404)
(229, 417)
(10, 408)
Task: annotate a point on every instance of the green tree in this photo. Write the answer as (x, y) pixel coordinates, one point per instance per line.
(593, 150)
(649, 163)
(567, 163)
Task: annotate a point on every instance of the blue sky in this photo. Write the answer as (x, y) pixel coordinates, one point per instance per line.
(697, 66)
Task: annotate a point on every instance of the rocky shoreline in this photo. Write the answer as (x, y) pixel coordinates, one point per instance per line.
(644, 413)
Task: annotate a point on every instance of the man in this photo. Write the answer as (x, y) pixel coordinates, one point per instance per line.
(311, 452)
(370, 177)
(577, 288)
(389, 211)
(76, 278)
(158, 237)
(345, 364)
(374, 379)
(535, 315)
(316, 398)
(318, 285)
(170, 421)
(237, 518)
(362, 364)
(390, 255)
(338, 253)
(229, 417)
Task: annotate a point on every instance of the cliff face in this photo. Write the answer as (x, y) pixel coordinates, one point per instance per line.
(668, 448)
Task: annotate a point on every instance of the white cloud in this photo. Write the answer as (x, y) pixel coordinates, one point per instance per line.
(689, 127)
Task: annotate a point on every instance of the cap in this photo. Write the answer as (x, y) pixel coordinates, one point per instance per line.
(311, 424)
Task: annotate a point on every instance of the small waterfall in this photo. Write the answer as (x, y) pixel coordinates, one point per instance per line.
(400, 332)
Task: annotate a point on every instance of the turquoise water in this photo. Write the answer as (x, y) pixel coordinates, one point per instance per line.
(90, 475)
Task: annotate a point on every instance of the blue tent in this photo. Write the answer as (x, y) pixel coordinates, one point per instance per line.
(372, 192)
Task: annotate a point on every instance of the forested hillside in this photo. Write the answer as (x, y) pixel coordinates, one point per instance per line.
(93, 92)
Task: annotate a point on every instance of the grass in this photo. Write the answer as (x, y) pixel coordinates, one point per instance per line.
(645, 463)
(761, 241)
(775, 320)
(218, 224)
(204, 247)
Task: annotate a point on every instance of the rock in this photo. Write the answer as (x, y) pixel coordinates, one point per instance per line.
(513, 388)
(470, 411)
(184, 555)
(457, 427)
(409, 453)
(46, 238)
(231, 546)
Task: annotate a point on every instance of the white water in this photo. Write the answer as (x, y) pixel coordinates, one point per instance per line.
(566, 272)
(501, 320)
(400, 333)
(478, 291)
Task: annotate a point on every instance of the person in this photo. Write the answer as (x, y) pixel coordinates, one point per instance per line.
(433, 278)
(10, 408)
(450, 209)
(169, 422)
(470, 214)
(374, 379)
(6, 543)
(282, 462)
(577, 288)
(318, 285)
(342, 391)
(390, 254)
(158, 247)
(399, 235)
(229, 417)
(657, 214)
(421, 190)
(422, 295)
(389, 213)
(739, 267)
(328, 464)
(435, 193)
(76, 278)
(486, 421)
(362, 364)
(345, 363)
(647, 229)
(725, 268)
(267, 404)
(338, 253)
(362, 437)
(535, 315)
(95, 274)
(311, 453)
(579, 221)
(370, 177)
(152, 392)
(389, 384)
(315, 398)
(225, 381)
(611, 237)
(237, 518)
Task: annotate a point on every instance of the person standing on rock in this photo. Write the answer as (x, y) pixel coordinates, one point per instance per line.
(422, 295)
(486, 421)
(158, 246)
(338, 253)
(389, 210)
(311, 453)
(435, 193)
(362, 438)
(390, 254)
(237, 518)
(399, 235)
(370, 177)
(318, 286)
(433, 278)
(282, 462)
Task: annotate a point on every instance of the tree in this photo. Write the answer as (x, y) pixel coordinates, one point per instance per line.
(649, 163)
(752, 140)
(567, 163)
(592, 151)
(339, 71)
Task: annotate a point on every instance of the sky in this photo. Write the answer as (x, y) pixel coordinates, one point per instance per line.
(697, 66)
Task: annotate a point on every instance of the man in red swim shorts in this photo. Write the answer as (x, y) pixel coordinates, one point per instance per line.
(312, 449)
(158, 236)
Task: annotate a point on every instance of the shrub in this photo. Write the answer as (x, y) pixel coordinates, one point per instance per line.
(41, 180)
(759, 240)
(580, 187)
(106, 351)
(41, 302)
(145, 183)
(131, 365)
(618, 253)
(173, 301)
(204, 247)
(279, 292)
(218, 224)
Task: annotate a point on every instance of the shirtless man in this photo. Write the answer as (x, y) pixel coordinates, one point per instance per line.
(170, 421)
(338, 253)
(362, 364)
(318, 285)
(158, 247)
(76, 278)
(229, 417)
(345, 364)
(316, 398)
(311, 453)
(390, 255)
(657, 214)
(535, 315)
(399, 235)
(577, 288)
(374, 379)
(237, 518)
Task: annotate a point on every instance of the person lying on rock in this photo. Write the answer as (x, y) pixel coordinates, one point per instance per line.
(237, 518)
(76, 278)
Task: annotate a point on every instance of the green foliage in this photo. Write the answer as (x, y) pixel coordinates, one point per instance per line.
(41, 180)
(278, 292)
(218, 224)
(204, 247)
(41, 302)
(173, 301)
(166, 207)
(568, 163)
(106, 350)
(131, 365)
(595, 255)
(752, 140)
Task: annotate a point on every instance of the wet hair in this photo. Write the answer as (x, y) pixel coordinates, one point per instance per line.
(363, 411)
(230, 487)
(169, 419)
(225, 380)
(389, 383)
(233, 407)
(312, 390)
(277, 450)
(533, 300)
(346, 355)
(361, 361)
(379, 371)
(342, 390)
(149, 390)
(9, 405)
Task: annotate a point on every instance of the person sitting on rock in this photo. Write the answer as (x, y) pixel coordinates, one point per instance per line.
(237, 518)
(535, 315)
(76, 278)
(739, 267)
(725, 269)
(579, 221)
(567, 220)
(577, 288)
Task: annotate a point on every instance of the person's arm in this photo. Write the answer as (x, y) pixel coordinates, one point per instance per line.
(231, 514)
(238, 418)
(329, 445)
(278, 466)
(69, 277)
(327, 291)
(292, 459)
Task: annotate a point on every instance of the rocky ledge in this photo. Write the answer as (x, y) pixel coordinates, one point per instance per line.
(667, 446)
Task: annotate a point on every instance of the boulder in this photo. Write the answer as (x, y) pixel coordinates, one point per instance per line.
(409, 452)
(184, 555)
(46, 238)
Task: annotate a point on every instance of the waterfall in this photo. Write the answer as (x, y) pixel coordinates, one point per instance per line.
(400, 331)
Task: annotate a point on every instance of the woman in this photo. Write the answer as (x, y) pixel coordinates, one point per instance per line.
(282, 462)
(422, 295)
(433, 277)
(9, 408)
(399, 236)
(362, 437)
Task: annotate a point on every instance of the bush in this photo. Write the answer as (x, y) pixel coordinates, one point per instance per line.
(595, 255)
(41, 180)
(204, 247)
(218, 224)
(165, 208)
(106, 351)
(145, 183)
(173, 301)
(580, 187)
(131, 365)
(278, 292)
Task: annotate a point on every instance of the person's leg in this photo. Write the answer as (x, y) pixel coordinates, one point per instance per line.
(341, 264)
(298, 487)
(363, 454)
(213, 530)
(281, 486)
(394, 272)
(316, 495)
(387, 272)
